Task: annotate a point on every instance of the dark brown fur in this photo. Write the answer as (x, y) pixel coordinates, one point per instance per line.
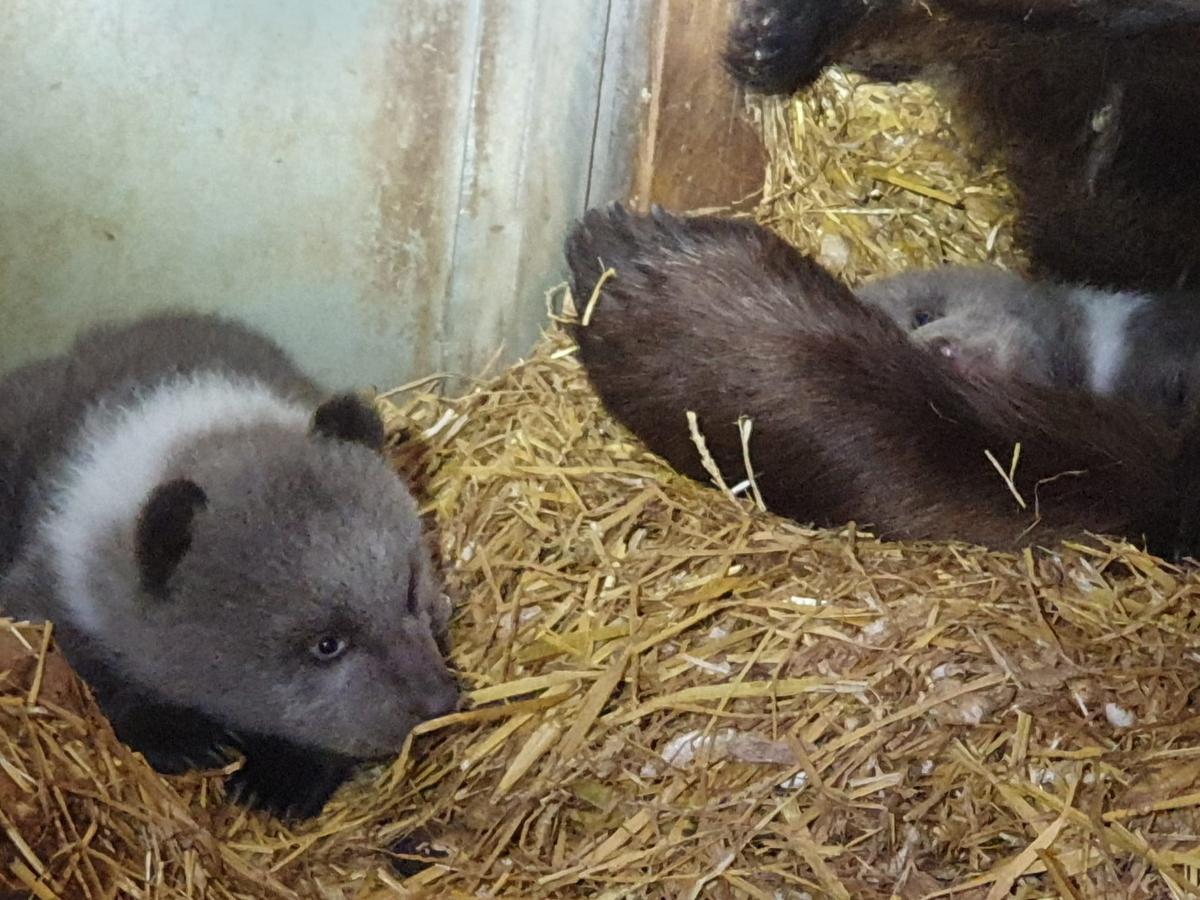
(1095, 108)
(850, 420)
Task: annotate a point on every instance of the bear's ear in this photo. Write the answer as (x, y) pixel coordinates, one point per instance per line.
(164, 531)
(348, 417)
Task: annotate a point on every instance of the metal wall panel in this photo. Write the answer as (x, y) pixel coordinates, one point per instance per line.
(384, 186)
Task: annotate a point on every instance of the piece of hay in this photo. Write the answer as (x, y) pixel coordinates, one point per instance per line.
(876, 178)
(81, 815)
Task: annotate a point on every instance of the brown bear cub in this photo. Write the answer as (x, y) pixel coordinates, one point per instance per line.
(228, 560)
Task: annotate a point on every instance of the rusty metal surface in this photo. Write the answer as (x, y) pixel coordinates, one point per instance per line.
(383, 186)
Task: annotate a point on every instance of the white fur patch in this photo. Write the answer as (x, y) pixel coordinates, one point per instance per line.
(1105, 328)
(123, 453)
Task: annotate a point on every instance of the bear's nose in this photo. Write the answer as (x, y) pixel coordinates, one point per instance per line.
(944, 347)
(969, 359)
(437, 695)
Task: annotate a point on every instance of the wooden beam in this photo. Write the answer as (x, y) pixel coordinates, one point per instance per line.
(699, 148)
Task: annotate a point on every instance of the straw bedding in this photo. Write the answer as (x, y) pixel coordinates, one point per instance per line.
(676, 695)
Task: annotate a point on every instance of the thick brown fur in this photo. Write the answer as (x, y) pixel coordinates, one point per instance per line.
(1095, 108)
(851, 421)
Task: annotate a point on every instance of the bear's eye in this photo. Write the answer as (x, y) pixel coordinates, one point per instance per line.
(412, 600)
(921, 318)
(1175, 389)
(329, 648)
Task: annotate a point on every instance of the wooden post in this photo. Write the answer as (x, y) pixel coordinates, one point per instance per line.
(699, 148)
